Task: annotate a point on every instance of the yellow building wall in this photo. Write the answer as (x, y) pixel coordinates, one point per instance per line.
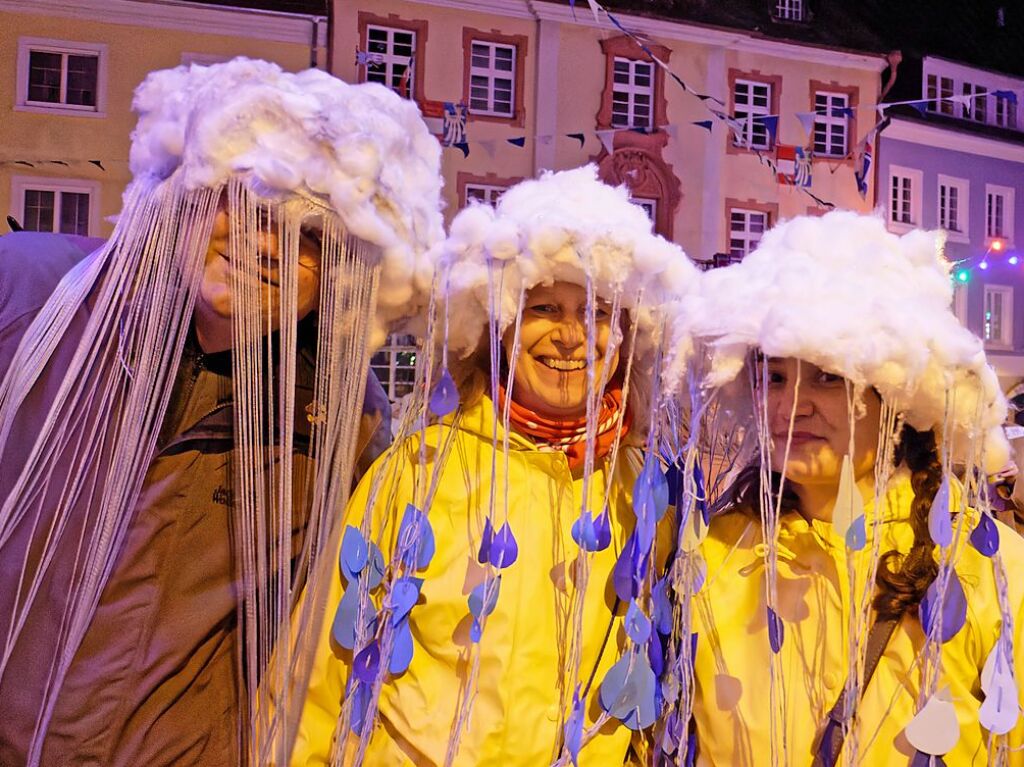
(132, 52)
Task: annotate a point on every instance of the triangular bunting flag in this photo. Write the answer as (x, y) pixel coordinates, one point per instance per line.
(595, 7)
(464, 147)
(99, 165)
(578, 136)
(920, 106)
(771, 123)
(519, 141)
(704, 124)
(607, 138)
(807, 122)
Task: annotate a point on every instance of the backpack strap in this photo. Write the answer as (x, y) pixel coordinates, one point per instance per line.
(833, 735)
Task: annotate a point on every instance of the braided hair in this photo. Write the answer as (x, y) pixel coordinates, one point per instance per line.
(902, 580)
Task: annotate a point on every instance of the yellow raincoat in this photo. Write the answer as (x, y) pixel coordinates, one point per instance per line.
(733, 711)
(522, 689)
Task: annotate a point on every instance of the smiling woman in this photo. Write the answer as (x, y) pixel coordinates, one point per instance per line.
(519, 616)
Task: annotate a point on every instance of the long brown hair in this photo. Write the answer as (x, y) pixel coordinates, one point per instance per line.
(902, 580)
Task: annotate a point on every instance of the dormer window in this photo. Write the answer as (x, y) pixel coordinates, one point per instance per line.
(790, 10)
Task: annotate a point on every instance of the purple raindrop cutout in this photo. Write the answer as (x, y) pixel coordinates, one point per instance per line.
(445, 397)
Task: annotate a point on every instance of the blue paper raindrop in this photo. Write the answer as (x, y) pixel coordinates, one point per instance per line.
(776, 630)
(415, 538)
(354, 553)
(484, 597)
(700, 496)
(656, 654)
(638, 625)
(344, 627)
(404, 593)
(504, 549)
(361, 695)
(603, 531)
(953, 608)
(856, 534)
(940, 523)
(374, 570)
(366, 664)
(662, 607)
(672, 477)
(486, 539)
(628, 691)
(985, 536)
(476, 631)
(401, 649)
(445, 397)
(574, 729)
(584, 532)
(624, 573)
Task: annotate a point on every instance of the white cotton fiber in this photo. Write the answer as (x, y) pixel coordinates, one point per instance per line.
(360, 149)
(561, 227)
(843, 293)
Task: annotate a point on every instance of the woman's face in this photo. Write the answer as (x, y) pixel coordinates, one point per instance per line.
(551, 371)
(821, 423)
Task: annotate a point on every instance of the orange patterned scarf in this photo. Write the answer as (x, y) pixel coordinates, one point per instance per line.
(569, 435)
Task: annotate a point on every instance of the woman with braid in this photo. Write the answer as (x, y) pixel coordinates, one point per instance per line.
(861, 605)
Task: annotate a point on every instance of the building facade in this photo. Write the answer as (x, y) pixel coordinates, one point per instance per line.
(544, 86)
(69, 71)
(955, 161)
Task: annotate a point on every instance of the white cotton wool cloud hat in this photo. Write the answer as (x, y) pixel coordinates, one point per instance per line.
(564, 226)
(358, 150)
(843, 293)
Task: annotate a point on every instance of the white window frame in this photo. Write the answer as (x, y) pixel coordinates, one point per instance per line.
(391, 59)
(939, 98)
(1004, 112)
(973, 96)
(789, 10)
(963, 190)
(396, 345)
(1005, 339)
(751, 110)
(746, 235)
(21, 184)
(489, 193)
(916, 185)
(832, 123)
(491, 73)
(650, 206)
(631, 91)
(66, 47)
(960, 294)
(1009, 209)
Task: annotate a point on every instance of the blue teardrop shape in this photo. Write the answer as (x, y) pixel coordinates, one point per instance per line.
(776, 630)
(662, 607)
(655, 654)
(574, 729)
(476, 631)
(445, 397)
(361, 695)
(624, 573)
(672, 477)
(367, 663)
(374, 570)
(952, 608)
(638, 625)
(603, 531)
(484, 597)
(343, 630)
(486, 539)
(504, 549)
(415, 538)
(401, 649)
(584, 532)
(404, 593)
(700, 496)
(856, 535)
(985, 536)
(353, 553)
(940, 523)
